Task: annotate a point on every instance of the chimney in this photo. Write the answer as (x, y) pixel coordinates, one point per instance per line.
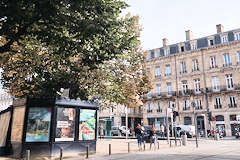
(165, 42)
(220, 28)
(189, 35)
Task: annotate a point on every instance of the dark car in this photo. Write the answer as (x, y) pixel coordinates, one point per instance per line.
(115, 131)
(146, 133)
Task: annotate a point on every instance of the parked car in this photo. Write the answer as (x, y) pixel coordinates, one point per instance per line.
(146, 132)
(115, 131)
(123, 131)
(188, 129)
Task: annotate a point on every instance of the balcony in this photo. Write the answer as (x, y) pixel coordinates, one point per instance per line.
(227, 65)
(167, 74)
(186, 108)
(198, 107)
(149, 111)
(195, 69)
(219, 106)
(158, 76)
(160, 95)
(183, 72)
(186, 92)
(223, 88)
(232, 105)
(159, 110)
(213, 66)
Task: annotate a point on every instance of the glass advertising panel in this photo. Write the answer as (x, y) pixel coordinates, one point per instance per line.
(87, 122)
(38, 124)
(65, 124)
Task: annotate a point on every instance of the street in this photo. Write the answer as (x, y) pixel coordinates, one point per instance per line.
(208, 150)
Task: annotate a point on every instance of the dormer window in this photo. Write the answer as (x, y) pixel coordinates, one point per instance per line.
(211, 43)
(194, 46)
(237, 36)
(182, 48)
(224, 39)
(167, 52)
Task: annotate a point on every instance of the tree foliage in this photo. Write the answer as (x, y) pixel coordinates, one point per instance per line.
(124, 79)
(47, 45)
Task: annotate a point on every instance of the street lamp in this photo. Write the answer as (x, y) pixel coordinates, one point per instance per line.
(195, 122)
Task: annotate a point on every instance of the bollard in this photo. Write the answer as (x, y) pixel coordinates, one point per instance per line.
(61, 154)
(128, 147)
(28, 154)
(158, 144)
(184, 140)
(144, 147)
(170, 143)
(110, 149)
(87, 154)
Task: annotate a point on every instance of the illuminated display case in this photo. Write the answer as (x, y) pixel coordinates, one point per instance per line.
(51, 124)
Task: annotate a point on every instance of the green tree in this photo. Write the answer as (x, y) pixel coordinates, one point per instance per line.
(124, 79)
(47, 45)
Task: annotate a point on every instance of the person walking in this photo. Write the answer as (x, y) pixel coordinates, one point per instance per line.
(138, 133)
(153, 137)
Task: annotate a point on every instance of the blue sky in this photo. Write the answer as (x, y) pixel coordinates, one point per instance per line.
(171, 18)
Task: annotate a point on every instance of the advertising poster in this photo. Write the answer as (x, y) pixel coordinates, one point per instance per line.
(38, 124)
(65, 124)
(87, 124)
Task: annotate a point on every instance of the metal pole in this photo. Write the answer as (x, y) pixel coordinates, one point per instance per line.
(87, 151)
(196, 130)
(128, 147)
(167, 126)
(61, 154)
(126, 111)
(110, 150)
(28, 154)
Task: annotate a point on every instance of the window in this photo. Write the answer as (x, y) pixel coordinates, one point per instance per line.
(149, 95)
(215, 84)
(224, 39)
(198, 104)
(65, 124)
(229, 81)
(238, 57)
(193, 46)
(184, 87)
(38, 124)
(187, 120)
(237, 36)
(168, 70)
(211, 42)
(169, 88)
(157, 72)
(158, 89)
(197, 85)
(213, 62)
(157, 54)
(195, 65)
(149, 107)
(167, 52)
(159, 107)
(186, 105)
(183, 67)
(182, 48)
(227, 60)
(218, 104)
(152, 54)
(232, 102)
(87, 124)
(233, 117)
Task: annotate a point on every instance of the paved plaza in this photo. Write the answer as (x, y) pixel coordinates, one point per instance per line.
(227, 149)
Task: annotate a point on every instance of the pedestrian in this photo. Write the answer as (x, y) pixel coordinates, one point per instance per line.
(101, 131)
(153, 137)
(139, 133)
(162, 130)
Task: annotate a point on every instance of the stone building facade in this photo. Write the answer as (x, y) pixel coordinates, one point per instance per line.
(205, 71)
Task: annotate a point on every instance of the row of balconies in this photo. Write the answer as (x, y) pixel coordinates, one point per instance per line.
(150, 111)
(197, 69)
(192, 92)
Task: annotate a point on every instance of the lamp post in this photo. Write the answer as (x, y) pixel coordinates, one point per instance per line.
(195, 123)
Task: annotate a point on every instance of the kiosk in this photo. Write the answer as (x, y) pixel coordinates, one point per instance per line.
(51, 124)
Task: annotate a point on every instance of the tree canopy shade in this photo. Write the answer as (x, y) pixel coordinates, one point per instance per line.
(47, 45)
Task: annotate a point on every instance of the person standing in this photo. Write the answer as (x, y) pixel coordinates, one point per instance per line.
(153, 137)
(138, 133)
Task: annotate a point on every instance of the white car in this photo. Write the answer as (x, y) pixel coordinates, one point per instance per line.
(123, 130)
(188, 129)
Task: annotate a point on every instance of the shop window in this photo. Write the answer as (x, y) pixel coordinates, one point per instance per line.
(233, 117)
(187, 120)
(87, 124)
(38, 124)
(219, 118)
(65, 124)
